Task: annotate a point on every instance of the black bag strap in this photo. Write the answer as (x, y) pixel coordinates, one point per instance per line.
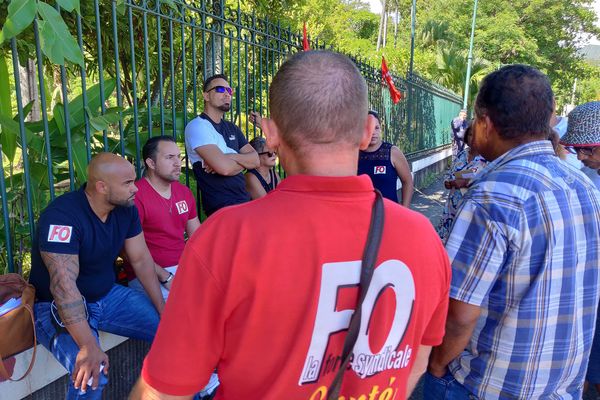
(366, 273)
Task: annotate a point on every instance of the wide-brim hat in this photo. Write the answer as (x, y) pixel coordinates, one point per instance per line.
(583, 129)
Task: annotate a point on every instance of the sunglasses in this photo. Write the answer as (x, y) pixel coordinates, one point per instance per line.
(586, 151)
(221, 89)
(268, 153)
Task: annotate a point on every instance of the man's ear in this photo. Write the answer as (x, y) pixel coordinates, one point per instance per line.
(205, 96)
(489, 127)
(101, 187)
(272, 134)
(367, 132)
(150, 163)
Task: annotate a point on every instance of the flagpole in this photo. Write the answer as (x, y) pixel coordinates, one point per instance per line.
(470, 59)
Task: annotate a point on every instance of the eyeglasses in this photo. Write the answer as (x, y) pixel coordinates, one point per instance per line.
(268, 153)
(221, 89)
(586, 151)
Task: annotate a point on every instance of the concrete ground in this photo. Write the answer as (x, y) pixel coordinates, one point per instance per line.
(430, 202)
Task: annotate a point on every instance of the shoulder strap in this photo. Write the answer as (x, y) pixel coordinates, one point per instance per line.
(366, 273)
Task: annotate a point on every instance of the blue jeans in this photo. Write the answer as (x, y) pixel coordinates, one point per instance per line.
(445, 388)
(593, 371)
(122, 311)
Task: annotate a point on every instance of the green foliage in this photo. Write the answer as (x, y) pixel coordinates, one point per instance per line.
(20, 15)
(5, 101)
(56, 41)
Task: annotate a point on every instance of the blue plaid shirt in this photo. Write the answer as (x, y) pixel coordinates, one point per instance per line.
(525, 248)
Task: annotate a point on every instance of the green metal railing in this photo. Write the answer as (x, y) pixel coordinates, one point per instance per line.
(145, 62)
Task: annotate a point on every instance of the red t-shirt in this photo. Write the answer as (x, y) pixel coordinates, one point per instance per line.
(265, 291)
(163, 221)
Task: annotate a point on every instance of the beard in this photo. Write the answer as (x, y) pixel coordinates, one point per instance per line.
(122, 202)
(225, 107)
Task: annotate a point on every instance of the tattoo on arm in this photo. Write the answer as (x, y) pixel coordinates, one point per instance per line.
(63, 270)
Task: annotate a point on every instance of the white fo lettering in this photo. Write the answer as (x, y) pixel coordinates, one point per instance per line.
(391, 274)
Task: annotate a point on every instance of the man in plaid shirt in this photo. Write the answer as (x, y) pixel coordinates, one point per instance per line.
(525, 258)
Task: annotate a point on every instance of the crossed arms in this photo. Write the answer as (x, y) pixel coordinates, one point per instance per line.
(215, 161)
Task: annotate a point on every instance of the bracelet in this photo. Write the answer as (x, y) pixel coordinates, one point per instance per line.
(169, 278)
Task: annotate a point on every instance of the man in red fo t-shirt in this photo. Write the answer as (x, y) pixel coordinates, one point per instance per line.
(265, 290)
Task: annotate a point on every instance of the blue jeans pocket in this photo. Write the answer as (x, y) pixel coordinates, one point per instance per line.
(435, 388)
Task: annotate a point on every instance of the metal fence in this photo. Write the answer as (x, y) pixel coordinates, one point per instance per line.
(144, 63)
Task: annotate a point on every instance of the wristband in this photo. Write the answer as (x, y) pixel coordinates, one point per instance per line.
(169, 278)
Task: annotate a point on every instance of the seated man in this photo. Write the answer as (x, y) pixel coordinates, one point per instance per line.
(218, 150)
(79, 236)
(167, 210)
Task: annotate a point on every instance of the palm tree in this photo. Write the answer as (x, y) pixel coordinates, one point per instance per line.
(450, 70)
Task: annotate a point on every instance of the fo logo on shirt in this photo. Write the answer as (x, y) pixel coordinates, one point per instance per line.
(182, 207)
(60, 233)
(379, 169)
(392, 282)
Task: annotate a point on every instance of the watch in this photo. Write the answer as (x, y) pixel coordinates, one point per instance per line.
(169, 279)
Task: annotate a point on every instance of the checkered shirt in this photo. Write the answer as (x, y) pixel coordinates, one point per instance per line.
(525, 248)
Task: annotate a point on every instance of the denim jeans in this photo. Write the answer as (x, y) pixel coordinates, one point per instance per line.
(593, 371)
(122, 311)
(445, 388)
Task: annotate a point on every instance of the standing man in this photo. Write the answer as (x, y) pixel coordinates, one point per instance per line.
(524, 250)
(218, 150)
(385, 164)
(273, 313)
(167, 209)
(583, 140)
(78, 237)
(459, 126)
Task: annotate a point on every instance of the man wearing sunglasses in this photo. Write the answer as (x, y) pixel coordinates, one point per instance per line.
(583, 134)
(583, 139)
(218, 149)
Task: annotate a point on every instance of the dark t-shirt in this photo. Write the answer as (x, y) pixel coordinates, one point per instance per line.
(69, 226)
(219, 191)
(378, 165)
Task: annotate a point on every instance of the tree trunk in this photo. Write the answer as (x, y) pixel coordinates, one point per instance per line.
(381, 24)
(29, 89)
(397, 22)
(385, 22)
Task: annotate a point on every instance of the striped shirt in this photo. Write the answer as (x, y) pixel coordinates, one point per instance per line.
(525, 248)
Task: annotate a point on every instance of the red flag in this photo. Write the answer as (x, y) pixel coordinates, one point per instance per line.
(387, 77)
(305, 45)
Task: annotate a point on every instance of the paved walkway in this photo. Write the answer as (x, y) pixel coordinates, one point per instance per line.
(430, 202)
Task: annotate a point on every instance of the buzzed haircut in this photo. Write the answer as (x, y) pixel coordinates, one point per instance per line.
(319, 98)
(212, 78)
(519, 101)
(151, 147)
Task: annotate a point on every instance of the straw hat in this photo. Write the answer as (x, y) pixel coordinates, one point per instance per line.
(583, 129)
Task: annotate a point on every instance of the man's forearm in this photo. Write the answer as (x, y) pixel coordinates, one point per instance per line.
(455, 341)
(247, 160)
(149, 280)
(161, 273)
